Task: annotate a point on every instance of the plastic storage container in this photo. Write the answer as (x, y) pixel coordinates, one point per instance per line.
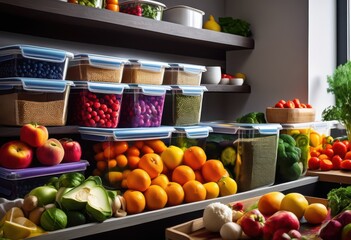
(95, 104)
(185, 137)
(248, 151)
(90, 3)
(183, 74)
(113, 167)
(33, 62)
(98, 68)
(17, 183)
(184, 15)
(142, 106)
(26, 100)
(144, 72)
(143, 8)
(183, 105)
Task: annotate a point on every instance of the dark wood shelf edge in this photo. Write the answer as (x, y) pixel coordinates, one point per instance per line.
(60, 20)
(227, 88)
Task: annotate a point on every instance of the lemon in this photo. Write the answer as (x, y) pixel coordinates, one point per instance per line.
(212, 190)
(295, 203)
(172, 157)
(227, 186)
(240, 75)
(20, 228)
(211, 24)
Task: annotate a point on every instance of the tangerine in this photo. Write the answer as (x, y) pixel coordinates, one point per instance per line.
(183, 174)
(135, 201)
(152, 164)
(175, 193)
(194, 191)
(156, 197)
(213, 170)
(161, 180)
(157, 145)
(138, 179)
(194, 157)
(269, 203)
(212, 190)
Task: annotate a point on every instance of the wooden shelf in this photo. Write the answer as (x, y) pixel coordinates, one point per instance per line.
(332, 176)
(73, 22)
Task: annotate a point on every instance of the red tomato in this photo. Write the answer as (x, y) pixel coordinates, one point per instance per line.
(347, 155)
(282, 101)
(336, 160)
(111, 1)
(326, 165)
(289, 104)
(302, 105)
(73, 1)
(297, 103)
(112, 7)
(323, 156)
(347, 144)
(346, 164)
(339, 149)
(315, 153)
(314, 163)
(279, 105)
(329, 152)
(308, 105)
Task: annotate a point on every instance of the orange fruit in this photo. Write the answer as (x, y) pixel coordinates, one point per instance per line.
(172, 157)
(194, 191)
(183, 174)
(157, 145)
(212, 190)
(114, 177)
(133, 161)
(316, 213)
(161, 180)
(156, 197)
(213, 170)
(152, 164)
(135, 201)
(227, 186)
(146, 149)
(120, 147)
(269, 203)
(198, 176)
(122, 160)
(295, 203)
(138, 179)
(194, 157)
(175, 193)
(133, 151)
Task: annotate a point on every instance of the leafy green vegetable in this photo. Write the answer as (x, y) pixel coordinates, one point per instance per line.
(339, 199)
(235, 26)
(340, 86)
(252, 117)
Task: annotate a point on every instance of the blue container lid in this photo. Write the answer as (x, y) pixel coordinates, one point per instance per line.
(99, 60)
(316, 125)
(194, 132)
(36, 52)
(31, 172)
(35, 84)
(125, 134)
(101, 87)
(190, 68)
(149, 65)
(233, 128)
(153, 90)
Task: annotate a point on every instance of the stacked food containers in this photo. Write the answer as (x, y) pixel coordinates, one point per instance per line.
(248, 151)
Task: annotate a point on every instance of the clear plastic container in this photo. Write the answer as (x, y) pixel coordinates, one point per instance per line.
(33, 62)
(183, 105)
(254, 151)
(144, 72)
(96, 68)
(183, 74)
(143, 8)
(17, 183)
(95, 104)
(185, 137)
(90, 3)
(26, 100)
(142, 106)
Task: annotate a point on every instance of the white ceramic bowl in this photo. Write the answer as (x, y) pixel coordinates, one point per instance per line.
(212, 75)
(184, 15)
(236, 81)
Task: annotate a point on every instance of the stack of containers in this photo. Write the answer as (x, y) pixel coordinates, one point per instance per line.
(113, 151)
(248, 151)
(33, 89)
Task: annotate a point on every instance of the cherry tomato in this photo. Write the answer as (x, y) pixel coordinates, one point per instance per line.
(308, 105)
(289, 104)
(326, 165)
(323, 156)
(73, 1)
(339, 149)
(302, 105)
(297, 103)
(279, 105)
(347, 155)
(336, 160)
(346, 164)
(315, 153)
(329, 152)
(314, 163)
(347, 144)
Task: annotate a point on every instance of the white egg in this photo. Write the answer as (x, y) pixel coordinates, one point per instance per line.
(230, 231)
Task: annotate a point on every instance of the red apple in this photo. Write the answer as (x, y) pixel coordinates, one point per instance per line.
(281, 219)
(33, 134)
(252, 223)
(330, 230)
(73, 151)
(15, 155)
(51, 153)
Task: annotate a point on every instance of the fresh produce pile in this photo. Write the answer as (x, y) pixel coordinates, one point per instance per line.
(36, 148)
(274, 215)
(295, 103)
